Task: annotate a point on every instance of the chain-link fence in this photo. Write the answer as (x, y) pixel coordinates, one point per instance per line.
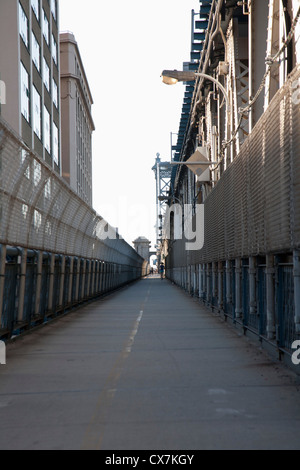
(55, 250)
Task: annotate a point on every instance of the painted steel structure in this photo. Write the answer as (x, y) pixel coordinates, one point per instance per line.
(163, 174)
(55, 250)
(249, 265)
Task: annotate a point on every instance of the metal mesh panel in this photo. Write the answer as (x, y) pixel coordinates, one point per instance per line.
(38, 210)
(255, 207)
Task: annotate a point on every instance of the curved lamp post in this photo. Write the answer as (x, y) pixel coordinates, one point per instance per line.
(171, 77)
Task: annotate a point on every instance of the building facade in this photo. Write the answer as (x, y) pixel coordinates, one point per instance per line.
(77, 122)
(30, 72)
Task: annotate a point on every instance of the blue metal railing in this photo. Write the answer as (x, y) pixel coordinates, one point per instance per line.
(254, 311)
(60, 288)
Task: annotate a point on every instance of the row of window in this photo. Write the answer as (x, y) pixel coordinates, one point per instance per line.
(83, 135)
(36, 58)
(35, 4)
(46, 70)
(37, 118)
(24, 33)
(83, 186)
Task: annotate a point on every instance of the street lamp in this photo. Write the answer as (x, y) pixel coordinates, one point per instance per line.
(171, 77)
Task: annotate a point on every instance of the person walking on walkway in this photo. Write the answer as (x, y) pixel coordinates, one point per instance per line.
(161, 270)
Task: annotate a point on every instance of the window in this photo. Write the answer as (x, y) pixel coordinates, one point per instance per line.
(37, 172)
(55, 144)
(47, 189)
(25, 101)
(23, 25)
(46, 27)
(54, 50)
(24, 211)
(53, 8)
(36, 54)
(47, 130)
(46, 74)
(48, 228)
(37, 220)
(36, 112)
(36, 8)
(54, 93)
(23, 158)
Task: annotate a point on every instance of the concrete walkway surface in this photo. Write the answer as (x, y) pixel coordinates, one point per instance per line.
(145, 368)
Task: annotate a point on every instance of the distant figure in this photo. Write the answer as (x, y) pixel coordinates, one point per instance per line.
(162, 270)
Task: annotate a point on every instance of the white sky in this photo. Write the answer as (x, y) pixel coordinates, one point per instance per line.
(124, 46)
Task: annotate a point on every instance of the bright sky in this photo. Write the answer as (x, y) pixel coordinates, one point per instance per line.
(124, 46)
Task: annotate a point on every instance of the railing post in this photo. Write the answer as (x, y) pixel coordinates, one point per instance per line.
(115, 276)
(220, 286)
(229, 287)
(22, 284)
(97, 288)
(200, 281)
(2, 277)
(101, 277)
(51, 282)
(84, 264)
(93, 277)
(297, 289)
(204, 280)
(62, 280)
(208, 283)
(108, 276)
(214, 283)
(38, 283)
(252, 285)
(105, 276)
(71, 280)
(270, 271)
(77, 281)
(238, 290)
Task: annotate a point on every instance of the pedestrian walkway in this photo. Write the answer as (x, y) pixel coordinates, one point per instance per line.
(145, 368)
